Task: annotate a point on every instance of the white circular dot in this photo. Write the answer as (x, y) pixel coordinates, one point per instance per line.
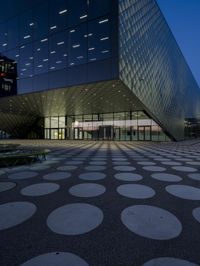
(184, 169)
(39, 189)
(195, 176)
(154, 168)
(196, 214)
(67, 168)
(14, 213)
(4, 186)
(136, 191)
(75, 219)
(165, 261)
(56, 258)
(166, 177)
(171, 163)
(128, 177)
(92, 176)
(87, 190)
(151, 222)
(23, 175)
(146, 163)
(95, 168)
(184, 192)
(56, 176)
(124, 168)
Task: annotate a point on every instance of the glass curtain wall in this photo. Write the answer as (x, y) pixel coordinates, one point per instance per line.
(125, 126)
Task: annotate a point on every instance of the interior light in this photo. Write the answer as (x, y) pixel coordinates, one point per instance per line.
(62, 11)
(105, 51)
(27, 64)
(31, 57)
(52, 52)
(22, 47)
(31, 24)
(93, 59)
(44, 40)
(27, 36)
(58, 62)
(60, 43)
(5, 44)
(84, 16)
(52, 67)
(46, 59)
(105, 38)
(38, 49)
(53, 27)
(40, 66)
(91, 48)
(76, 46)
(17, 55)
(65, 55)
(72, 31)
(80, 57)
(103, 21)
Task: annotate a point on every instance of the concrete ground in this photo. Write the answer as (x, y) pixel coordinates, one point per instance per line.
(102, 203)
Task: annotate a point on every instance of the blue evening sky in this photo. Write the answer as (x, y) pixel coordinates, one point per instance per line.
(183, 17)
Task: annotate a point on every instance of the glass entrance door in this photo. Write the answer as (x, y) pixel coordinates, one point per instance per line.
(78, 133)
(106, 132)
(144, 133)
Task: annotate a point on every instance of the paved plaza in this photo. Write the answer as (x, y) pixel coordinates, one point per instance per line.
(102, 204)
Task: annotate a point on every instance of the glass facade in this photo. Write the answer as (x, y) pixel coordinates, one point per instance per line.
(64, 39)
(127, 126)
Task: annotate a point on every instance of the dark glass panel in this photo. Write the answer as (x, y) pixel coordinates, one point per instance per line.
(40, 20)
(26, 61)
(26, 27)
(77, 11)
(99, 43)
(13, 33)
(98, 8)
(41, 59)
(77, 45)
(58, 15)
(58, 51)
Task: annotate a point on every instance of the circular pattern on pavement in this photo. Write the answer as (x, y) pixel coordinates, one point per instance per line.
(184, 169)
(196, 214)
(4, 186)
(87, 190)
(39, 189)
(56, 258)
(14, 213)
(151, 222)
(128, 177)
(92, 176)
(154, 168)
(95, 168)
(75, 219)
(165, 261)
(166, 177)
(23, 175)
(171, 163)
(57, 176)
(124, 168)
(136, 191)
(194, 176)
(67, 168)
(184, 192)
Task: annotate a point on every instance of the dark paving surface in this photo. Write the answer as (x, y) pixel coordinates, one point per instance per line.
(106, 239)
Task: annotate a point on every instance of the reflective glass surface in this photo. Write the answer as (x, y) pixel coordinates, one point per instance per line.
(52, 35)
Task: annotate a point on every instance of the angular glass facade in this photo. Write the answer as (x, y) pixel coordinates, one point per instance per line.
(92, 69)
(108, 126)
(64, 39)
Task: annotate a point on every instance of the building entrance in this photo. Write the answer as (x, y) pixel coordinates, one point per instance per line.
(144, 133)
(78, 133)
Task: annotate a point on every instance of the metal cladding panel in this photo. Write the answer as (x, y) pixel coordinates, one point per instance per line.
(153, 67)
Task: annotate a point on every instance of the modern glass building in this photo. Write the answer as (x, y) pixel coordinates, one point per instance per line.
(92, 69)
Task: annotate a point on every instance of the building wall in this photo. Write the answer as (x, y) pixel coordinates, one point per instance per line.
(60, 43)
(153, 67)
